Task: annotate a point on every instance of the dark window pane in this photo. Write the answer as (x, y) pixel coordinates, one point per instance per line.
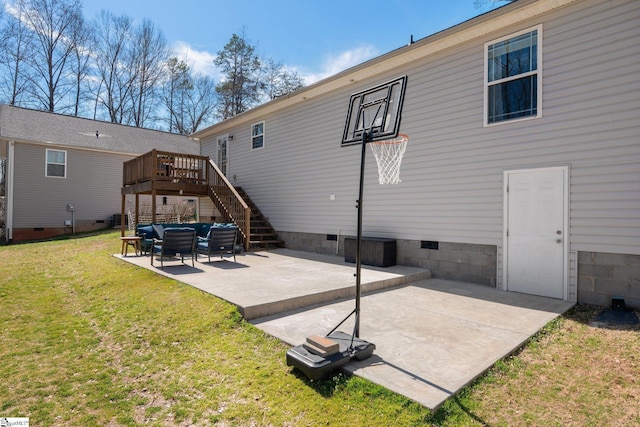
(258, 129)
(512, 57)
(55, 170)
(257, 142)
(517, 98)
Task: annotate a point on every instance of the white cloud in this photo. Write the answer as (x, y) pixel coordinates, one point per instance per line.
(200, 61)
(336, 63)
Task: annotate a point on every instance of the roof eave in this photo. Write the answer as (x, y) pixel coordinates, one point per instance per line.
(503, 17)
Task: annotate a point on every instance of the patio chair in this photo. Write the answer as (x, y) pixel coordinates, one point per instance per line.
(175, 241)
(221, 240)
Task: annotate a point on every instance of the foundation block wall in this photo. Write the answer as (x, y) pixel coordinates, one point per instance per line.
(451, 261)
(310, 242)
(82, 226)
(603, 276)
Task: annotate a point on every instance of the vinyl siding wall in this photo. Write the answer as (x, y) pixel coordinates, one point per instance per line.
(93, 184)
(452, 172)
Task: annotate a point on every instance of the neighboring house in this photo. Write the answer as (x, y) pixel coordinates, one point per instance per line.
(64, 174)
(523, 165)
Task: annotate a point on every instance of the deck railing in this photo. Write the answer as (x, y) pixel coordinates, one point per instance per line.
(229, 202)
(165, 166)
(191, 169)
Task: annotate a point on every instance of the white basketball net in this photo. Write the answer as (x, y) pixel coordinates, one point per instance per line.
(388, 156)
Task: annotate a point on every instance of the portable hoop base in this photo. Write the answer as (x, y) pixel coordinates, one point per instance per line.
(316, 367)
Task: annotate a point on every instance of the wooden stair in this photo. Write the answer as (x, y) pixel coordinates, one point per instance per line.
(263, 236)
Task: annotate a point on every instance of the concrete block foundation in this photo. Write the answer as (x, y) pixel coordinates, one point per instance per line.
(451, 261)
(602, 276)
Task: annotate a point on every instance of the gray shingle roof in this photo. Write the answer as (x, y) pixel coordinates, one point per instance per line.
(24, 125)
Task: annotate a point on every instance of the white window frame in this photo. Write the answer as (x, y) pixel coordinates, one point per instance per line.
(537, 71)
(258, 135)
(223, 164)
(47, 163)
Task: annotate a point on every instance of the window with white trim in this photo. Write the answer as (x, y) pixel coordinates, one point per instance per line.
(257, 135)
(56, 164)
(513, 81)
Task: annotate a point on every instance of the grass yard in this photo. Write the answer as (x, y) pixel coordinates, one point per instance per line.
(88, 340)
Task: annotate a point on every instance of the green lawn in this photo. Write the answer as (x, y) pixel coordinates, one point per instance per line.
(88, 340)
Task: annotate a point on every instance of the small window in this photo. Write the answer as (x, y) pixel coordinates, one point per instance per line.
(257, 135)
(56, 165)
(513, 81)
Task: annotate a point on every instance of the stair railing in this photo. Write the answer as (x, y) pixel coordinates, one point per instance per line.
(229, 202)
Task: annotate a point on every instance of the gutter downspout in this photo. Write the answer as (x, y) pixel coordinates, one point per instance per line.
(9, 207)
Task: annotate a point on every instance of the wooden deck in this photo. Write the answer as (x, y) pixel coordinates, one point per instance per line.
(160, 173)
(166, 173)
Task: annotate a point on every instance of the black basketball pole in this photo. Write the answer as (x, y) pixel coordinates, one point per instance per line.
(365, 139)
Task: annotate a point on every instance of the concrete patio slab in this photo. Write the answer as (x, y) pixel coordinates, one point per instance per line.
(270, 282)
(432, 336)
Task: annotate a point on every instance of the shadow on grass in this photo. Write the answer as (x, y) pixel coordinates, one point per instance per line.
(453, 409)
(325, 387)
(624, 319)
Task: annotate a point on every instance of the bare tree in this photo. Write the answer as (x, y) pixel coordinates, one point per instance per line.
(80, 65)
(279, 81)
(51, 60)
(190, 99)
(174, 89)
(54, 23)
(17, 47)
(111, 50)
(200, 105)
(150, 54)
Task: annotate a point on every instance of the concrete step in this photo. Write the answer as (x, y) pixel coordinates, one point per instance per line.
(317, 297)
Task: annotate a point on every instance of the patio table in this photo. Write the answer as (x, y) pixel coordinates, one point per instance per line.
(131, 241)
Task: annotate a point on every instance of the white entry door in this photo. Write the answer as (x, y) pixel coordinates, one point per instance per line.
(536, 231)
(222, 153)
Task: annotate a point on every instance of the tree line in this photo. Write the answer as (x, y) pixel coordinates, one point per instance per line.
(112, 68)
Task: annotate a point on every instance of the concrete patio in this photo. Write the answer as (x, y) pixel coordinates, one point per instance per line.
(432, 336)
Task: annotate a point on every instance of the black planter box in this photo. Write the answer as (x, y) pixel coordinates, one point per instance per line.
(375, 251)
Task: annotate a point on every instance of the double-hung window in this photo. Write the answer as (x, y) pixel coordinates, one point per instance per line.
(56, 164)
(513, 81)
(257, 135)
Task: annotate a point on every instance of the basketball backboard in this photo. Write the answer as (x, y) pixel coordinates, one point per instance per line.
(377, 111)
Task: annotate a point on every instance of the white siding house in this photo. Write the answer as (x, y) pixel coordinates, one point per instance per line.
(53, 161)
(542, 199)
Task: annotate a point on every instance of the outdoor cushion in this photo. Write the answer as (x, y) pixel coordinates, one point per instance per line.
(221, 241)
(219, 225)
(202, 228)
(145, 231)
(176, 241)
(159, 229)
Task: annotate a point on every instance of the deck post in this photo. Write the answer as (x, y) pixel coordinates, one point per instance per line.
(137, 209)
(153, 205)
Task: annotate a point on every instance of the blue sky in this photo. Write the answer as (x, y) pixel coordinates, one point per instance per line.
(314, 38)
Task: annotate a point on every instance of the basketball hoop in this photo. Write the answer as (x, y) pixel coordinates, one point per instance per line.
(388, 154)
